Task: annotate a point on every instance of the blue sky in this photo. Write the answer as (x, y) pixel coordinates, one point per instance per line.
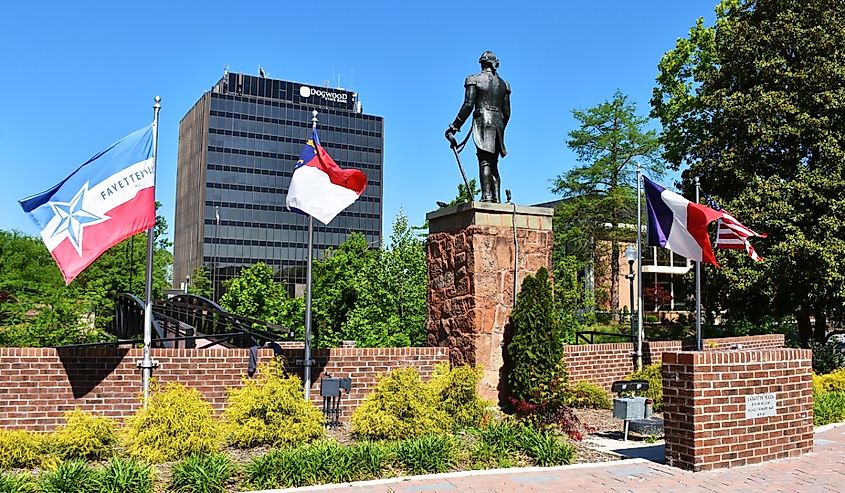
(77, 76)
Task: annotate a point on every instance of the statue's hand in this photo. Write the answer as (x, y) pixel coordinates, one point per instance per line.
(450, 136)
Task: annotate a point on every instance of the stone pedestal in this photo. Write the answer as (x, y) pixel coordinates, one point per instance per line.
(471, 278)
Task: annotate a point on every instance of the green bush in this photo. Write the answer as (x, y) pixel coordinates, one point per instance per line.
(371, 458)
(202, 474)
(545, 448)
(828, 407)
(428, 454)
(401, 406)
(125, 476)
(20, 448)
(317, 463)
(73, 476)
(455, 390)
(270, 409)
(586, 395)
(652, 374)
(17, 483)
(534, 354)
(84, 436)
(497, 445)
(176, 423)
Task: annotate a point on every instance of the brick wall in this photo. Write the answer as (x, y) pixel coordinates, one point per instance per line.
(706, 418)
(37, 385)
(604, 364)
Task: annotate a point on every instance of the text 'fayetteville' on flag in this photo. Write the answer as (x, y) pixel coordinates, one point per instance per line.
(106, 200)
(321, 188)
(677, 224)
(731, 234)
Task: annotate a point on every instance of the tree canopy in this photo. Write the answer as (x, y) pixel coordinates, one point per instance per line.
(599, 194)
(755, 107)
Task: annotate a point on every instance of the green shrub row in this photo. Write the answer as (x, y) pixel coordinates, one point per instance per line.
(77, 476)
(501, 444)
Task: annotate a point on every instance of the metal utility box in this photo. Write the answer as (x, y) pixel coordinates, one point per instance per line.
(629, 408)
(330, 387)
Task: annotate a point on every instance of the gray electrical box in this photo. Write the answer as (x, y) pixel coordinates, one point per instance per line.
(330, 387)
(628, 408)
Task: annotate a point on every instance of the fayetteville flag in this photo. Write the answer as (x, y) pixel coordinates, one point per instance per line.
(731, 234)
(106, 200)
(678, 224)
(321, 188)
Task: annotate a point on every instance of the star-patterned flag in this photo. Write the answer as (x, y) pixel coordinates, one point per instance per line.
(106, 200)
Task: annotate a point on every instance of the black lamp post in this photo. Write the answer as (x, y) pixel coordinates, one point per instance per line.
(631, 256)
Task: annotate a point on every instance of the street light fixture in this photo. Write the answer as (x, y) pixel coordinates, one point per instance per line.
(631, 256)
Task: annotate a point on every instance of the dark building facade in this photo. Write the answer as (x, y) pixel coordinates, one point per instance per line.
(238, 146)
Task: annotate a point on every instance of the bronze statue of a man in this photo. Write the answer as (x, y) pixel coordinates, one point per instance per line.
(490, 96)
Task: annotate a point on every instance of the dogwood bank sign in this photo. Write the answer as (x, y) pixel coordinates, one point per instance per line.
(339, 97)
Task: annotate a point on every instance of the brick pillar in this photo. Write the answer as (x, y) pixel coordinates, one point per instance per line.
(470, 278)
(732, 408)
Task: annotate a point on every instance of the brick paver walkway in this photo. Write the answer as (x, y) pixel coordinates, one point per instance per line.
(823, 470)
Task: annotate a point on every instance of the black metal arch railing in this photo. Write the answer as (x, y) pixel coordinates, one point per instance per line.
(189, 321)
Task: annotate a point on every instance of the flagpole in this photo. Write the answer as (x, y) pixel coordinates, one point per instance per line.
(639, 269)
(697, 284)
(147, 364)
(306, 361)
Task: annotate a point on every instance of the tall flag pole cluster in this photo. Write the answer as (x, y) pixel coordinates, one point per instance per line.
(679, 225)
(106, 200)
(321, 189)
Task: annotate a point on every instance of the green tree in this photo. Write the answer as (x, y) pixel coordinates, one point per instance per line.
(36, 308)
(600, 194)
(255, 293)
(200, 282)
(754, 107)
(535, 350)
(373, 296)
(465, 195)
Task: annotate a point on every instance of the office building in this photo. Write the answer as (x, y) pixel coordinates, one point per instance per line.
(238, 146)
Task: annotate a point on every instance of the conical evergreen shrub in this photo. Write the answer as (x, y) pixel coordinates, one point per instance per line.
(535, 350)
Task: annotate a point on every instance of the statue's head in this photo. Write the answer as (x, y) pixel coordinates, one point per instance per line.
(488, 58)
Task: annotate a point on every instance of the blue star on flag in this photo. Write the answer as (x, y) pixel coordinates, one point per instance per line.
(73, 218)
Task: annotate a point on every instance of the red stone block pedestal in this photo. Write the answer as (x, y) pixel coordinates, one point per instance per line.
(471, 278)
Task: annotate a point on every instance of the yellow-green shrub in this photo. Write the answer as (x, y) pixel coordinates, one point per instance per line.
(652, 374)
(586, 394)
(20, 448)
(831, 382)
(400, 407)
(177, 422)
(84, 436)
(270, 409)
(455, 390)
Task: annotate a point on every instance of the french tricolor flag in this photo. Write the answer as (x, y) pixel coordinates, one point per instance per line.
(678, 224)
(106, 200)
(321, 188)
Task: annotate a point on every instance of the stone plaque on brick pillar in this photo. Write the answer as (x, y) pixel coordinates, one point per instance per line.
(471, 277)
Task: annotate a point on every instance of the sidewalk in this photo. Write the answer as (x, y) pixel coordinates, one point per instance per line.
(823, 470)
